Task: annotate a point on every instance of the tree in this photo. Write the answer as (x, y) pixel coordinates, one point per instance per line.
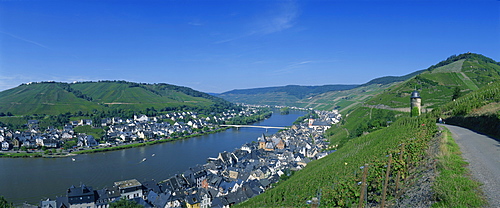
(414, 112)
(125, 203)
(4, 203)
(70, 144)
(456, 93)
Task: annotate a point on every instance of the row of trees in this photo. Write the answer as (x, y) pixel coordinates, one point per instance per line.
(2, 114)
(243, 120)
(77, 93)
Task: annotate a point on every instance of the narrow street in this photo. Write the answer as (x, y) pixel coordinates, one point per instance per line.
(483, 155)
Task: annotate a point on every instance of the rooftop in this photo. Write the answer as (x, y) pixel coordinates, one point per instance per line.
(127, 184)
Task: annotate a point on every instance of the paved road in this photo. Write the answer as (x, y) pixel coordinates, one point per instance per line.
(483, 154)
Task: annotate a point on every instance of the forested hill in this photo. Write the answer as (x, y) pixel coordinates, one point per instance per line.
(53, 98)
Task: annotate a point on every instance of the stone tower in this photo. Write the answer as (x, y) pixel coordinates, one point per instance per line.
(415, 102)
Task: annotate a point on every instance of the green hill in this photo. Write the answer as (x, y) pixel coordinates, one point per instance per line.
(367, 135)
(52, 98)
(342, 100)
(285, 95)
(441, 82)
(327, 97)
(478, 110)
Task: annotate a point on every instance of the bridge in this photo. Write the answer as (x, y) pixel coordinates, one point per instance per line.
(253, 126)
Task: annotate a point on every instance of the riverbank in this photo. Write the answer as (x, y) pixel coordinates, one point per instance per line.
(102, 169)
(141, 144)
(25, 154)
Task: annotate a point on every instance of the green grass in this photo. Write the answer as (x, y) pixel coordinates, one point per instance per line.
(436, 85)
(20, 155)
(57, 98)
(475, 110)
(14, 120)
(454, 187)
(336, 176)
(97, 133)
(452, 67)
(470, 84)
(360, 120)
(343, 100)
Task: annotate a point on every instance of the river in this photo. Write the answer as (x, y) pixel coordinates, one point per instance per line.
(33, 179)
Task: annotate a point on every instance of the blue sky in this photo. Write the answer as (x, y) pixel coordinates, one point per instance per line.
(217, 46)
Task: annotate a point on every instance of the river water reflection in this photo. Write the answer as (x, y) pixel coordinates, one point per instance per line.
(32, 179)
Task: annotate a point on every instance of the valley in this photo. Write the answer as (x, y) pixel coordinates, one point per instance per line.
(374, 123)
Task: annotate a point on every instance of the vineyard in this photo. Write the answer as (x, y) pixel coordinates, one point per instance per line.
(464, 110)
(337, 180)
(464, 105)
(360, 121)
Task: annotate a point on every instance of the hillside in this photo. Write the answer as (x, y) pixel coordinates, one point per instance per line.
(342, 100)
(437, 85)
(441, 82)
(327, 97)
(285, 95)
(53, 98)
(478, 110)
(368, 135)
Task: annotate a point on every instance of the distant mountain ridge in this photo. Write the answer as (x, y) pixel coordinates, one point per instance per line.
(467, 71)
(392, 79)
(308, 96)
(365, 132)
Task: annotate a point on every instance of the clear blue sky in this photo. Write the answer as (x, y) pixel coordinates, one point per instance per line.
(217, 46)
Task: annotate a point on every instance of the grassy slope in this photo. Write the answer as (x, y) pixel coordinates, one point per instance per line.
(478, 110)
(344, 100)
(52, 99)
(43, 98)
(436, 86)
(453, 186)
(362, 120)
(335, 175)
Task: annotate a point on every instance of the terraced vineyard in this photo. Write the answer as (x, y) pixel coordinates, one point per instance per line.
(368, 135)
(53, 98)
(467, 72)
(336, 179)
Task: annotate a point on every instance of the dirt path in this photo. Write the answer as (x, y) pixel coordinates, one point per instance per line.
(483, 155)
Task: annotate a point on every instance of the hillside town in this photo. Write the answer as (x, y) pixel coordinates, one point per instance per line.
(225, 180)
(120, 131)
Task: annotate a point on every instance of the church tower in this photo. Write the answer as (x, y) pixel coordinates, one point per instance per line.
(415, 102)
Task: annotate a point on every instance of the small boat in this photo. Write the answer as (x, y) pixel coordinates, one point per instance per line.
(143, 160)
(73, 159)
(153, 155)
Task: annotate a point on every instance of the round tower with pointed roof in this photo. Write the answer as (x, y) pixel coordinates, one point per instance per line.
(415, 102)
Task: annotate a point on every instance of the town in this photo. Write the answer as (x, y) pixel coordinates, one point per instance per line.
(120, 131)
(225, 180)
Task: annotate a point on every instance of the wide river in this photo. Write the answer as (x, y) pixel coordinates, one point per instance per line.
(33, 179)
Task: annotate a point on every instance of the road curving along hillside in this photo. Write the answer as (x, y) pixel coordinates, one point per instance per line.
(483, 155)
